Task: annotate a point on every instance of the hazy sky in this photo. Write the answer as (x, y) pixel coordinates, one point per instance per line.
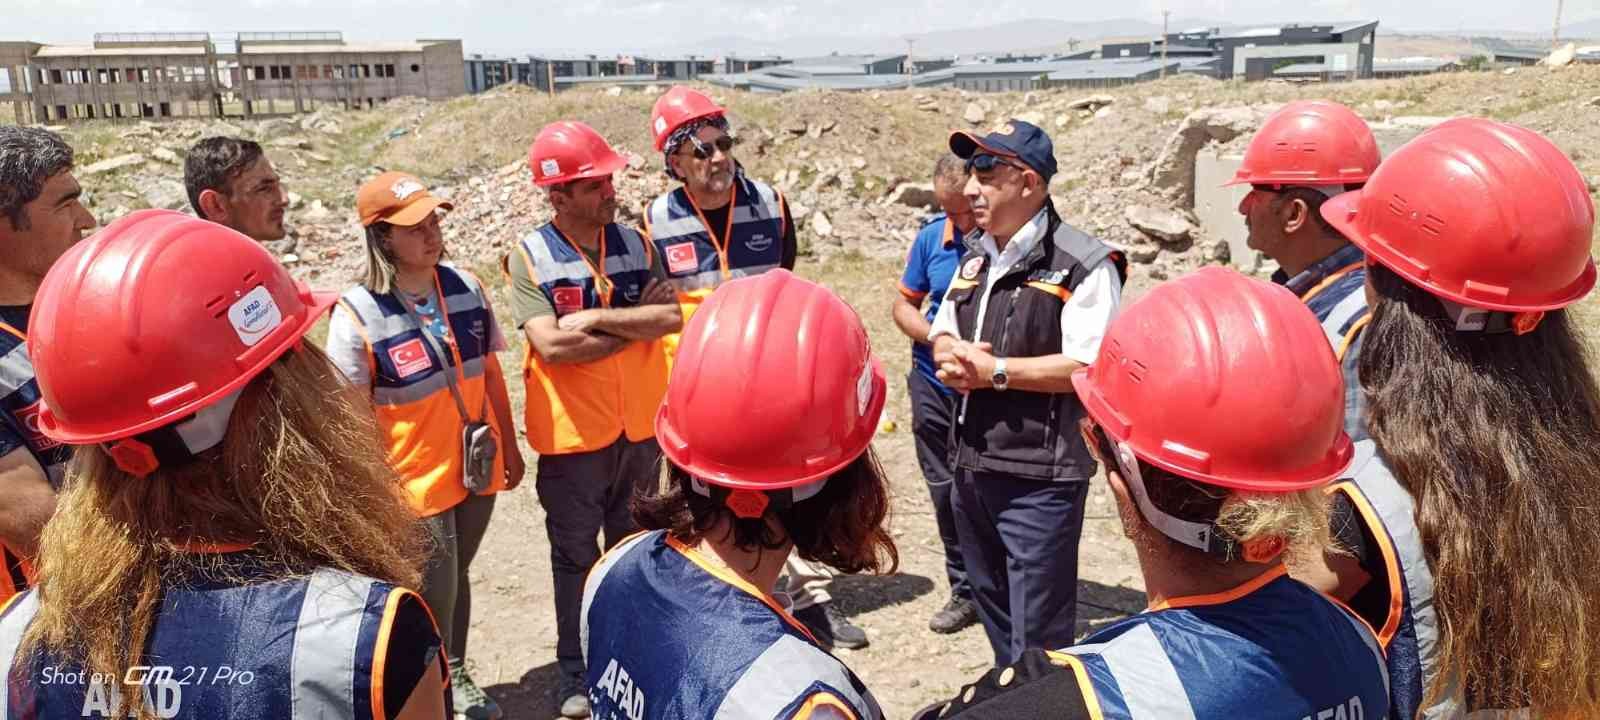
(626, 25)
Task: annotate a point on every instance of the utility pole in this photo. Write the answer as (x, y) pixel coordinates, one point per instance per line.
(1164, 15)
(1555, 35)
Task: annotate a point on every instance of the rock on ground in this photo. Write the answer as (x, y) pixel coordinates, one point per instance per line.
(974, 114)
(113, 164)
(1165, 225)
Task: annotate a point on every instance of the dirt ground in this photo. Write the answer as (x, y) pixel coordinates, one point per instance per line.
(907, 666)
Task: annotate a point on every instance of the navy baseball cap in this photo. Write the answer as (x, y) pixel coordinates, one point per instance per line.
(1014, 139)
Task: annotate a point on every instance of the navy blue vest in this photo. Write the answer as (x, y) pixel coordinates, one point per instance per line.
(564, 275)
(693, 261)
(667, 637)
(20, 403)
(1280, 646)
(301, 648)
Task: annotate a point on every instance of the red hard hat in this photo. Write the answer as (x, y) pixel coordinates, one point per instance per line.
(1310, 142)
(774, 386)
(679, 106)
(1478, 212)
(1224, 380)
(569, 150)
(155, 317)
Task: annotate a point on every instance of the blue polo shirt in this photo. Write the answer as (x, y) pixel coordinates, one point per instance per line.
(929, 267)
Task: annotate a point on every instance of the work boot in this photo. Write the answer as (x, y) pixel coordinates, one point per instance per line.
(831, 628)
(956, 614)
(471, 702)
(574, 696)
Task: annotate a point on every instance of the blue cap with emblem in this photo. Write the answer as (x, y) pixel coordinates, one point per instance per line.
(1013, 139)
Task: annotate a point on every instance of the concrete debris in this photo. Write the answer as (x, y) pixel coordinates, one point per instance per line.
(1561, 56)
(1104, 113)
(975, 114)
(293, 142)
(1174, 167)
(166, 195)
(1091, 103)
(164, 155)
(821, 225)
(1594, 101)
(1165, 225)
(1420, 122)
(1158, 105)
(1032, 117)
(113, 164)
(614, 91)
(917, 195)
(296, 201)
(1062, 121)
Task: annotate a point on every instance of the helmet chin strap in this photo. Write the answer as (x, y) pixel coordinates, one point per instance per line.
(752, 504)
(1492, 322)
(175, 444)
(1204, 537)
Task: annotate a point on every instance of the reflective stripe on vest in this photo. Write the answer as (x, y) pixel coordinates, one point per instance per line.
(559, 265)
(411, 393)
(1269, 643)
(326, 655)
(20, 399)
(668, 634)
(693, 261)
(1394, 508)
(582, 407)
(789, 671)
(1340, 320)
(1143, 670)
(323, 671)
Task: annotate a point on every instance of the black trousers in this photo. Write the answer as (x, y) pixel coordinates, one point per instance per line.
(931, 411)
(585, 495)
(1019, 537)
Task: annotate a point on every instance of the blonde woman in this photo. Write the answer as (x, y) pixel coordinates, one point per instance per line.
(230, 543)
(420, 336)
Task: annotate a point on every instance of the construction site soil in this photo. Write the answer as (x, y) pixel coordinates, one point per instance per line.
(850, 164)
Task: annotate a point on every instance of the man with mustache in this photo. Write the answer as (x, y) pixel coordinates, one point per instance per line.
(593, 300)
(231, 182)
(1029, 305)
(719, 225)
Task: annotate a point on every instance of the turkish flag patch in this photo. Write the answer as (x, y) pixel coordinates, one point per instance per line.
(28, 418)
(567, 299)
(682, 258)
(410, 357)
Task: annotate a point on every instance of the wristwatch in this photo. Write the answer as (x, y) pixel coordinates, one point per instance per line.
(999, 378)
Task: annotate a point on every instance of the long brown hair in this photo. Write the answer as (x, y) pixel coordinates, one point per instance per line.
(1497, 438)
(842, 525)
(299, 476)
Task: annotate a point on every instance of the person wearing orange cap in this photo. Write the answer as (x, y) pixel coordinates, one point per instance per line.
(718, 225)
(679, 622)
(1219, 414)
(592, 299)
(232, 544)
(1304, 154)
(419, 335)
(41, 216)
(1472, 540)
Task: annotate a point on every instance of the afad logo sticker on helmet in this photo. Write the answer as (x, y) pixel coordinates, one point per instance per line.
(549, 167)
(255, 316)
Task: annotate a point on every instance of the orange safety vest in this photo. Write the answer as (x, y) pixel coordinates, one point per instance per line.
(582, 407)
(412, 398)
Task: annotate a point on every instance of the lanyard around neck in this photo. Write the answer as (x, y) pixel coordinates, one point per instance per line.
(602, 284)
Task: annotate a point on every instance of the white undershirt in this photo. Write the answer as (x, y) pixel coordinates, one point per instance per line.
(1084, 317)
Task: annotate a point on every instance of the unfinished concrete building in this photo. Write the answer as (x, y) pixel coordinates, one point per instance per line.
(299, 72)
(174, 75)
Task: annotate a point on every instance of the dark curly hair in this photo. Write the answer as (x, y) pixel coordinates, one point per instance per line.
(842, 525)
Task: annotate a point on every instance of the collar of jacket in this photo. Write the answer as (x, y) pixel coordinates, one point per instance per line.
(974, 242)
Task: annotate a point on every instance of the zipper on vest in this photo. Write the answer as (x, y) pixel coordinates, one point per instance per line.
(1005, 327)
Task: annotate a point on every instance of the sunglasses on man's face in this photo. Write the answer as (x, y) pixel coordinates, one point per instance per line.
(987, 162)
(704, 151)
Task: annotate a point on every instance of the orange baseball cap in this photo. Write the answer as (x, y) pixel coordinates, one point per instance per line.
(398, 199)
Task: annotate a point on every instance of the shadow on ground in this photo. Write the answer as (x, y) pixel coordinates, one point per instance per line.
(531, 698)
